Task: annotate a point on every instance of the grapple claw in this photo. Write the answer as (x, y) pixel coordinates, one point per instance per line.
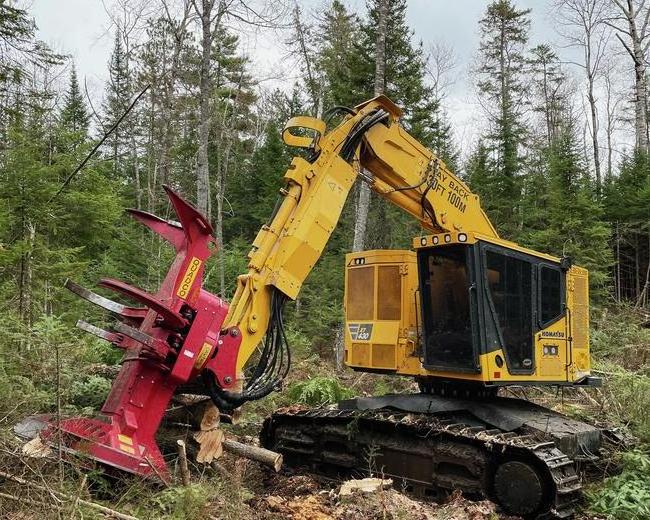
(122, 311)
(169, 230)
(172, 317)
(100, 333)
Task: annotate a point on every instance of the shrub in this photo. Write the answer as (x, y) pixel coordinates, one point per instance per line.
(319, 390)
(182, 503)
(625, 496)
(90, 392)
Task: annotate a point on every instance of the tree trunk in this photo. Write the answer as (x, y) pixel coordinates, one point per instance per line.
(618, 263)
(312, 84)
(202, 166)
(136, 172)
(610, 107)
(594, 131)
(182, 463)
(360, 224)
(363, 202)
(262, 455)
(637, 52)
(640, 113)
(380, 48)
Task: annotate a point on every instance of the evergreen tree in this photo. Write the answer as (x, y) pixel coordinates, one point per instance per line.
(337, 56)
(74, 115)
(73, 118)
(259, 186)
(405, 70)
(504, 33)
(118, 93)
(574, 220)
(442, 142)
(627, 199)
(547, 92)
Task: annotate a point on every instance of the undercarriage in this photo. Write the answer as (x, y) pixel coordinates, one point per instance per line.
(526, 458)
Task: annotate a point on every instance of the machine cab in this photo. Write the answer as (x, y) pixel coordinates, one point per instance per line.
(483, 310)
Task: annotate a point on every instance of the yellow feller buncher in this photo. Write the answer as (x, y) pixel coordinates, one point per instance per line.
(464, 313)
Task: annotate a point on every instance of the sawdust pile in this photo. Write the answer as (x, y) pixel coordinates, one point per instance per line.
(303, 498)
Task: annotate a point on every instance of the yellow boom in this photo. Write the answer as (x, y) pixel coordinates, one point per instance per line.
(392, 162)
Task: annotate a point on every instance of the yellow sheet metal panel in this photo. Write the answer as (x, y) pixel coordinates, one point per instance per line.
(360, 293)
(551, 354)
(579, 286)
(383, 356)
(379, 307)
(360, 354)
(389, 292)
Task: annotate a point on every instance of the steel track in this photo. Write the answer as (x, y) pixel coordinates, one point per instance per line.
(429, 455)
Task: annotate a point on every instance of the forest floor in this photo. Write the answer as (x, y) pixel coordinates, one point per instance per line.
(240, 489)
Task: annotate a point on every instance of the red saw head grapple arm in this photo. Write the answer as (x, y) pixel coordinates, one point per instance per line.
(169, 338)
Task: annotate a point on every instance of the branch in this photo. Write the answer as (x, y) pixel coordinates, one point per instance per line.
(90, 103)
(92, 505)
(616, 28)
(622, 7)
(626, 47)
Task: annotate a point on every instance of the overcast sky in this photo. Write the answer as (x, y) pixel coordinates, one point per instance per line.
(82, 28)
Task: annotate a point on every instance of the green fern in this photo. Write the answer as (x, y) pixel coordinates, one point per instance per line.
(319, 390)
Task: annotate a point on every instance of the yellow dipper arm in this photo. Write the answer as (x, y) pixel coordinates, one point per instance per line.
(395, 165)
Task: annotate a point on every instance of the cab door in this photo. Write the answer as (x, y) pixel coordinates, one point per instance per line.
(509, 290)
(552, 322)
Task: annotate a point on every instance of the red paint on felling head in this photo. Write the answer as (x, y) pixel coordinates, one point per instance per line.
(177, 336)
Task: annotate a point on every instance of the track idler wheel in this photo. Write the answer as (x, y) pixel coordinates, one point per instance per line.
(519, 488)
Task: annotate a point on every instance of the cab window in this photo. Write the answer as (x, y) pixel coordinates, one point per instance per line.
(550, 290)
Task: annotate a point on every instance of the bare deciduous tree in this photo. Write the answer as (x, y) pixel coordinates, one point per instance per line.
(582, 23)
(441, 62)
(613, 99)
(210, 19)
(630, 18)
(178, 27)
(300, 42)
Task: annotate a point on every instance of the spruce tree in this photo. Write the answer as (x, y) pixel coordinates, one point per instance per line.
(74, 118)
(547, 89)
(574, 224)
(118, 93)
(504, 34)
(405, 70)
(627, 201)
(337, 57)
(442, 140)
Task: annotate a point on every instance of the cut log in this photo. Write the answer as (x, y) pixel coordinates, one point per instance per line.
(262, 455)
(210, 445)
(210, 436)
(364, 485)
